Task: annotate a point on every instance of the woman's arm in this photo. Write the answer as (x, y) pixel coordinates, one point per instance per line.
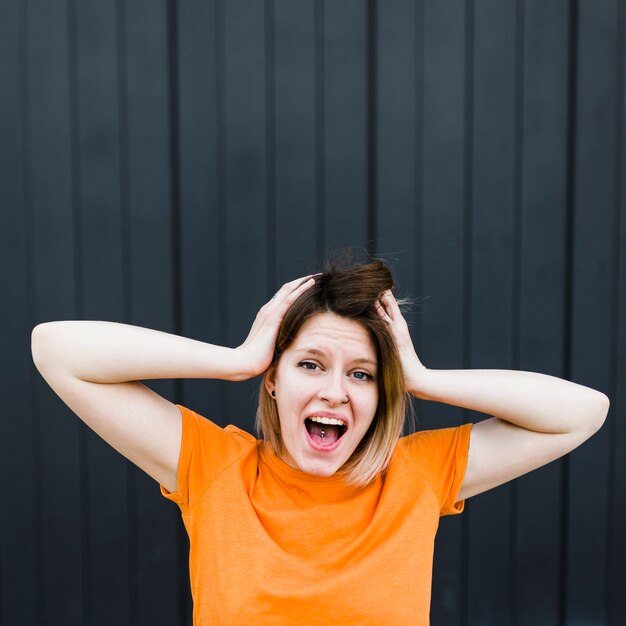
(538, 418)
(94, 368)
(109, 352)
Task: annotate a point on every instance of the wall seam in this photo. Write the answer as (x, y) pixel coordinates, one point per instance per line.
(467, 257)
(181, 547)
(320, 180)
(614, 357)
(371, 130)
(518, 176)
(222, 186)
(77, 205)
(122, 112)
(569, 286)
(30, 302)
(270, 147)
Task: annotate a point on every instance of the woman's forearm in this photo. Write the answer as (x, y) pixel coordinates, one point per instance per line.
(109, 352)
(533, 401)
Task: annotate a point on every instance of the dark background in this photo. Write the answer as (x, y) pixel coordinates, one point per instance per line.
(170, 164)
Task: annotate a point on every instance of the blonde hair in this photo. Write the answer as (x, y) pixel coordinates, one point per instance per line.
(350, 292)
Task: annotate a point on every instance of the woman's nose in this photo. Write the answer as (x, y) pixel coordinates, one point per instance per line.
(333, 391)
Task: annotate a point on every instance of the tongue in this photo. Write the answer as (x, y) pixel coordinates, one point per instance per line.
(323, 434)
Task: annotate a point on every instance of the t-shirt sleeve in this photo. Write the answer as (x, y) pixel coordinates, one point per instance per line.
(206, 450)
(442, 456)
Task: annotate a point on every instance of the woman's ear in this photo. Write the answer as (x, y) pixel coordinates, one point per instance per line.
(269, 380)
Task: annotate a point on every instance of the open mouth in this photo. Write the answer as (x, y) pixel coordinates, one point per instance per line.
(325, 431)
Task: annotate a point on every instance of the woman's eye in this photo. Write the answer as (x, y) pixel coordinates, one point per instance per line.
(307, 365)
(362, 376)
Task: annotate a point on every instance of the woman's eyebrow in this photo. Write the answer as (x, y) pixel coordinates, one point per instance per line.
(366, 360)
(312, 351)
(317, 352)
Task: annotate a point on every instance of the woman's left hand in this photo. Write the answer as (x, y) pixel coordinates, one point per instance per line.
(413, 369)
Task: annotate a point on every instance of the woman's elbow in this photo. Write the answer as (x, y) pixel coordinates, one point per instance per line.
(39, 340)
(596, 415)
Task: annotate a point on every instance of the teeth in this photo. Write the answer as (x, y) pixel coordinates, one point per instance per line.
(327, 420)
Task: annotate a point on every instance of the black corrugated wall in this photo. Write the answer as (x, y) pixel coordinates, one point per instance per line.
(170, 164)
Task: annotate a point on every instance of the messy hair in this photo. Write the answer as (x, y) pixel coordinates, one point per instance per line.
(351, 292)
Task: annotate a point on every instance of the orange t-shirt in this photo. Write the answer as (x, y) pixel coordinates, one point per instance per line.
(270, 544)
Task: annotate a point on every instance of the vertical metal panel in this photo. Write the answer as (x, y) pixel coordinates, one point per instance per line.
(443, 255)
(200, 128)
(51, 206)
(294, 223)
(397, 211)
(616, 538)
(19, 553)
(541, 301)
(493, 281)
(106, 550)
(154, 575)
(246, 183)
(592, 298)
(345, 124)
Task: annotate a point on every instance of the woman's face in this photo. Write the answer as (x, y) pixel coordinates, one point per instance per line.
(326, 393)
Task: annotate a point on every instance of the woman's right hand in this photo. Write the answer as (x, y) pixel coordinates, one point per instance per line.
(257, 351)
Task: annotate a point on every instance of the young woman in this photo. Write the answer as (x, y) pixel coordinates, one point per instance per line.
(330, 517)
